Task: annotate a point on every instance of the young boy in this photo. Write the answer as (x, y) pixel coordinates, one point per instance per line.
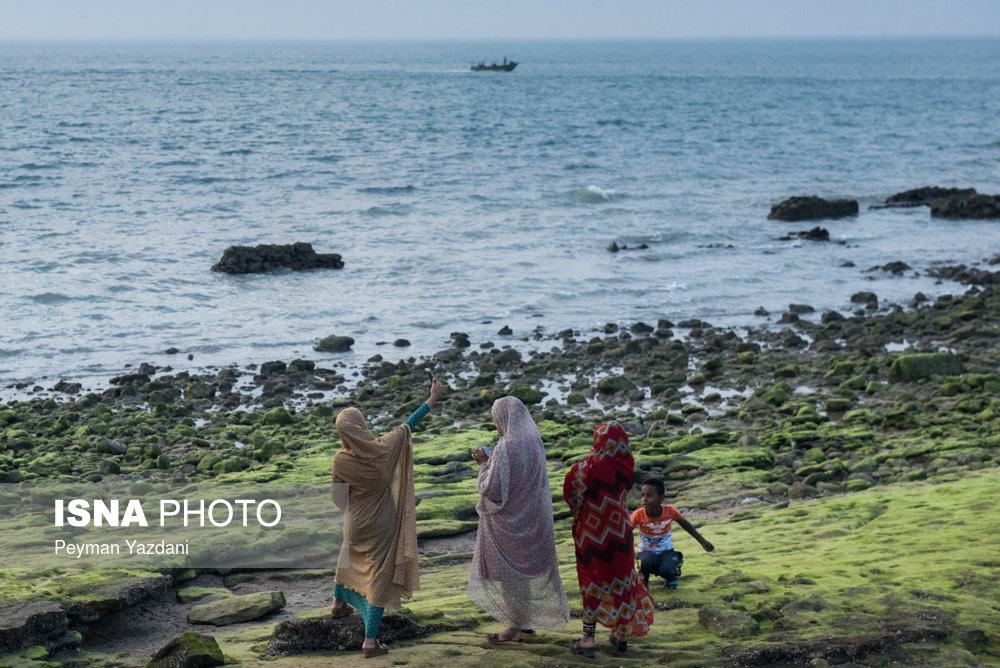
(654, 522)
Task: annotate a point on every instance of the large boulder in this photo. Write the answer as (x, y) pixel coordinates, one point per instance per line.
(812, 208)
(266, 257)
(236, 609)
(311, 634)
(907, 368)
(966, 206)
(188, 650)
(27, 624)
(923, 196)
(334, 344)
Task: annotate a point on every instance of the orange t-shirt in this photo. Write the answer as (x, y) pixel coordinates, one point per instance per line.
(654, 534)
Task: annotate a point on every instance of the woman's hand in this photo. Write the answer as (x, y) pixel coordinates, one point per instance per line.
(480, 455)
(435, 392)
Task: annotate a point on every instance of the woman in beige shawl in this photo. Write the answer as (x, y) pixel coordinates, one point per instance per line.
(379, 563)
(515, 573)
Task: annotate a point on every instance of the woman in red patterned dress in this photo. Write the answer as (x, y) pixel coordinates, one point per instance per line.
(596, 490)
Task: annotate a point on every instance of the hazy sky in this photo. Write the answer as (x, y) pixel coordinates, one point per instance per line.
(491, 19)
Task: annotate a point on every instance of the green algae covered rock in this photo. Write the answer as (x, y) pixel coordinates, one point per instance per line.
(278, 416)
(907, 368)
(188, 650)
(528, 395)
(235, 609)
(613, 384)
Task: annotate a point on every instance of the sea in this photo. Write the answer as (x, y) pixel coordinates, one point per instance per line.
(459, 200)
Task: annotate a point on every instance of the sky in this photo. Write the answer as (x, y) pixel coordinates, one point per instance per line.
(491, 19)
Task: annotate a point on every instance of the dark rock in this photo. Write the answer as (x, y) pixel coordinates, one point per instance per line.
(272, 368)
(171, 351)
(869, 298)
(147, 369)
(237, 608)
(832, 316)
(334, 344)
(761, 311)
(923, 196)
(130, 379)
(505, 331)
(965, 275)
(896, 267)
(507, 357)
(296, 366)
(311, 634)
(401, 343)
(641, 328)
(116, 596)
(973, 206)
(847, 263)
(812, 208)
(788, 318)
(613, 247)
(188, 650)
(67, 388)
(26, 624)
(265, 257)
(800, 308)
(815, 234)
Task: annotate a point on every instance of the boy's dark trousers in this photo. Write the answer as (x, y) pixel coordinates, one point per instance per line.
(666, 564)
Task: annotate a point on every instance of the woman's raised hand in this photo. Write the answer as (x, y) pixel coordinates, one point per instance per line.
(435, 392)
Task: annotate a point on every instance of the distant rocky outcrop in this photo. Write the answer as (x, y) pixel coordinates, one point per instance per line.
(922, 196)
(266, 257)
(812, 208)
(815, 234)
(966, 206)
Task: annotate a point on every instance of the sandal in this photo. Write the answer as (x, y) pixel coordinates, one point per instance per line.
(621, 645)
(496, 639)
(378, 650)
(576, 648)
(342, 611)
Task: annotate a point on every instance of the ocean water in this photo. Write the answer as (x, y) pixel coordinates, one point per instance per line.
(459, 200)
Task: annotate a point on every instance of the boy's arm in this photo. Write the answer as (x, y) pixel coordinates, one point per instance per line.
(694, 533)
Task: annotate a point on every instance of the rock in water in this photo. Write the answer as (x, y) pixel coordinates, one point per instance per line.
(334, 344)
(966, 206)
(812, 208)
(923, 196)
(188, 650)
(235, 609)
(266, 257)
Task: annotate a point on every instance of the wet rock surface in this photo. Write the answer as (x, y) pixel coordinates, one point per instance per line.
(299, 256)
(795, 209)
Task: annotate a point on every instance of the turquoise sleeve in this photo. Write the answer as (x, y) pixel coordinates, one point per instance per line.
(418, 415)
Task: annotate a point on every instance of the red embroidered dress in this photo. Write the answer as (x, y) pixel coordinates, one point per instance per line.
(596, 490)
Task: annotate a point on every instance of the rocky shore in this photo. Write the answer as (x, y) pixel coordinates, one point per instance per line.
(842, 462)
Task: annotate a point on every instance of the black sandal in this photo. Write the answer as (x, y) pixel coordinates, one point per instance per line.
(621, 645)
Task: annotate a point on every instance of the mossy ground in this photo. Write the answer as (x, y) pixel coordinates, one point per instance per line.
(873, 498)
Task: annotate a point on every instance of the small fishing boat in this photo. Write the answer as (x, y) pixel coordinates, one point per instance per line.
(506, 66)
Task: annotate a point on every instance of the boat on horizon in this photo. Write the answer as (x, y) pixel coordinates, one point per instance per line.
(506, 66)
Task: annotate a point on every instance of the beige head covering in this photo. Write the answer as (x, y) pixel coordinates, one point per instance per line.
(381, 518)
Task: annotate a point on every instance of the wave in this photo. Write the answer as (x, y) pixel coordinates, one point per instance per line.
(237, 151)
(327, 158)
(10, 352)
(387, 190)
(50, 298)
(34, 166)
(394, 210)
(573, 166)
(592, 195)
